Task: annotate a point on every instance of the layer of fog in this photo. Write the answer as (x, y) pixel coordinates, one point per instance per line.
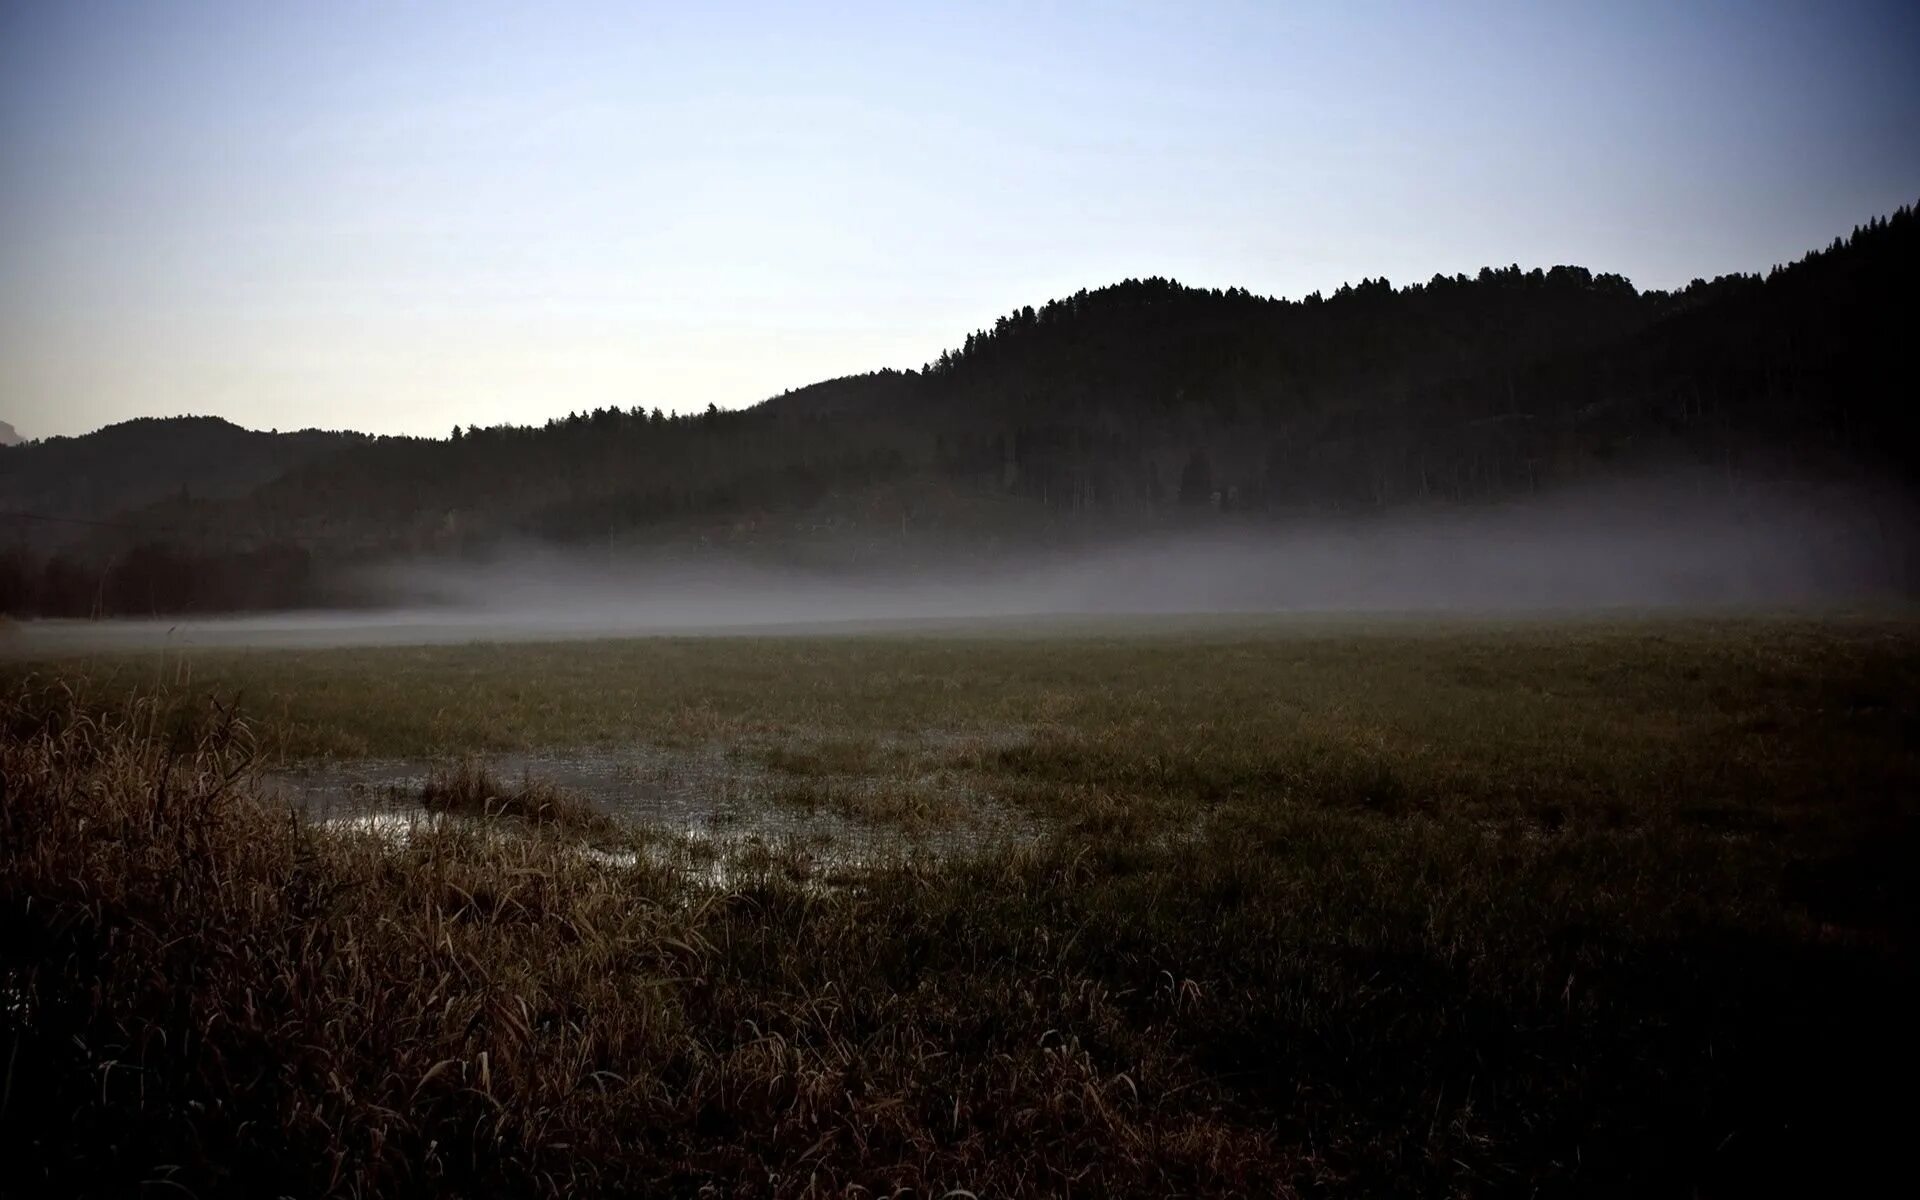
(1644, 547)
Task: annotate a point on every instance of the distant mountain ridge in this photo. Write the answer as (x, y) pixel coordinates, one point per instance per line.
(1140, 405)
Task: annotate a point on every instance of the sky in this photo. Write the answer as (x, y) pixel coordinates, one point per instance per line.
(398, 217)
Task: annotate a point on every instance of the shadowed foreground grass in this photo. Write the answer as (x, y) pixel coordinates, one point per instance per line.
(1455, 935)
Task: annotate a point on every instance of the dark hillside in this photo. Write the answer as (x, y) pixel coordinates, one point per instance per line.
(1141, 405)
(1454, 390)
(89, 526)
(125, 467)
(850, 395)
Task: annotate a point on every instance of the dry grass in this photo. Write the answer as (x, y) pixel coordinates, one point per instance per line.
(470, 789)
(206, 993)
(1623, 915)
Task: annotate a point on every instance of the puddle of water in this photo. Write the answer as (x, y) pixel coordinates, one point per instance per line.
(679, 790)
(710, 810)
(721, 862)
(699, 861)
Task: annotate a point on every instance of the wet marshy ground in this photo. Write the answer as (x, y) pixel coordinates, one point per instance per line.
(818, 805)
(1594, 907)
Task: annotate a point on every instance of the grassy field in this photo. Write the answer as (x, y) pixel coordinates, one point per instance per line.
(1389, 906)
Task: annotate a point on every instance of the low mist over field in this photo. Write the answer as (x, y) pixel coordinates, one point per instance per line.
(1670, 544)
(1654, 545)
(1016, 600)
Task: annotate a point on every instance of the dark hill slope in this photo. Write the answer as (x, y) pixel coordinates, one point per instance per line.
(1457, 389)
(1090, 405)
(848, 396)
(123, 468)
(1141, 404)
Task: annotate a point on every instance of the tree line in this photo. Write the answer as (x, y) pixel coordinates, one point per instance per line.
(1146, 402)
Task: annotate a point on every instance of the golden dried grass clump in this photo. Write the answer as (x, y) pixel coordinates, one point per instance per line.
(204, 990)
(470, 789)
(206, 987)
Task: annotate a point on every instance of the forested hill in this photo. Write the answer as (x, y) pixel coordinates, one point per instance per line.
(1141, 404)
(1456, 389)
(60, 482)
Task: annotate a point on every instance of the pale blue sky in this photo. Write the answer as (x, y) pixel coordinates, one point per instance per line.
(395, 217)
